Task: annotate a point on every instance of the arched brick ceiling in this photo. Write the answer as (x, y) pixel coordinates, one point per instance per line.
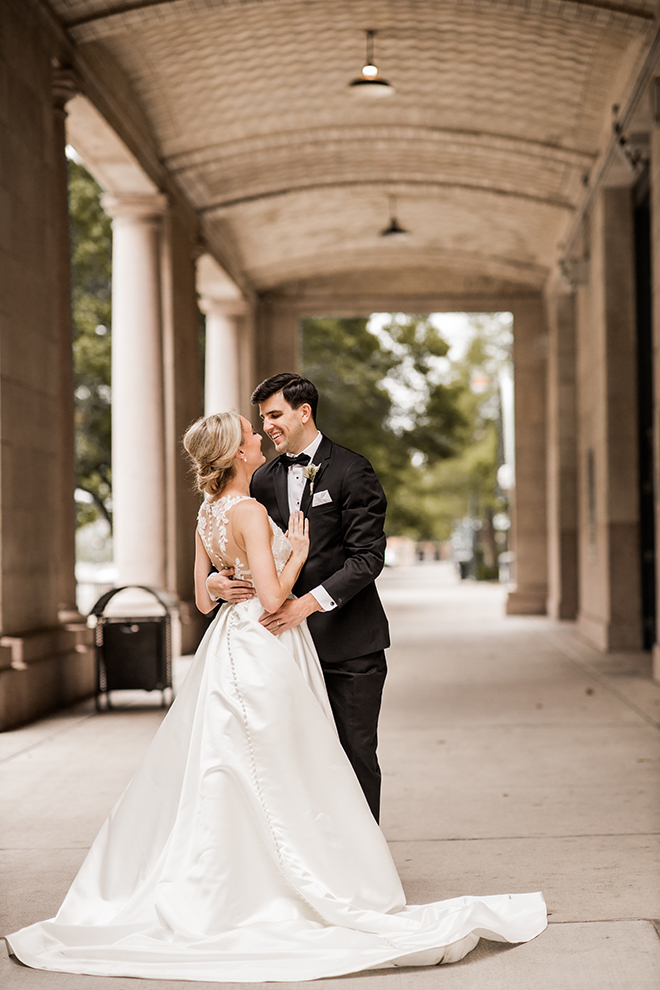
(501, 107)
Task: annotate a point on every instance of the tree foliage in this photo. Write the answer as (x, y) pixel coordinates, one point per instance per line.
(91, 244)
(430, 425)
(358, 374)
(466, 485)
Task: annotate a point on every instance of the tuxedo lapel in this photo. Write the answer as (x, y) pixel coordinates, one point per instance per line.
(321, 457)
(280, 475)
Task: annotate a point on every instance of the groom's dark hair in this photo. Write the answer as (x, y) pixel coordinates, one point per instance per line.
(295, 389)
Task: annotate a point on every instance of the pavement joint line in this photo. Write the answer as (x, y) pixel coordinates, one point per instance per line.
(45, 739)
(461, 726)
(604, 921)
(516, 838)
(45, 849)
(602, 679)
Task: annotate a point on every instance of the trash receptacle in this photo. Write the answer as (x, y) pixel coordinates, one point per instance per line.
(132, 652)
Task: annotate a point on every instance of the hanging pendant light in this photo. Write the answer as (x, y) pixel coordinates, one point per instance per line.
(370, 83)
(394, 229)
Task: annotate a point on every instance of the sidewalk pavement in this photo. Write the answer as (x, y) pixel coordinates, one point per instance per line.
(515, 759)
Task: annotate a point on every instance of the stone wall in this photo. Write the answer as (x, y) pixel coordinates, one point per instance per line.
(42, 663)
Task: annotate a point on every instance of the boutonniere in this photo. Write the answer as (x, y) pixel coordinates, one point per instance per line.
(310, 473)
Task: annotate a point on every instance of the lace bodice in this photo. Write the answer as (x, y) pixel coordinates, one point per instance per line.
(213, 524)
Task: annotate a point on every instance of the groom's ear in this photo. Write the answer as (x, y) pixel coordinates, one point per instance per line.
(306, 411)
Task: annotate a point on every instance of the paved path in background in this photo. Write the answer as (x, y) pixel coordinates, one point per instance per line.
(515, 758)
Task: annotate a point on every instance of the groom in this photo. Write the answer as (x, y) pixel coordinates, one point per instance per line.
(341, 496)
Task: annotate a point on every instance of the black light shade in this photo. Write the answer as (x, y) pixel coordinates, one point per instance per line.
(394, 229)
(370, 83)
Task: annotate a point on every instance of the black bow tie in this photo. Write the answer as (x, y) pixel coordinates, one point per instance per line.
(290, 459)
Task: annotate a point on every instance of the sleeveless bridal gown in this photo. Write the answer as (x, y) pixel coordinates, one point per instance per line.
(243, 849)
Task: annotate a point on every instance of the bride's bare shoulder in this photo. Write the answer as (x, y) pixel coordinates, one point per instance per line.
(249, 511)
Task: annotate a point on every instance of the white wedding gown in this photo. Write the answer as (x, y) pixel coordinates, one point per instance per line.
(243, 849)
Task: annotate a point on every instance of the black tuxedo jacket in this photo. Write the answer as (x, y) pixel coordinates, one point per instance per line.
(347, 547)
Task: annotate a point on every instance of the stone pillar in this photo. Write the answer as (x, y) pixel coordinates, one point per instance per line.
(562, 458)
(222, 365)
(277, 337)
(655, 289)
(65, 87)
(247, 364)
(43, 664)
(138, 452)
(529, 519)
(183, 405)
(610, 583)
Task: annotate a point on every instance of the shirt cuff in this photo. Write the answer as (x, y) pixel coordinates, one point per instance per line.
(212, 597)
(323, 598)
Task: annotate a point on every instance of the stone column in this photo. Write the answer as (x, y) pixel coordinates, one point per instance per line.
(138, 455)
(65, 87)
(655, 289)
(277, 337)
(222, 366)
(183, 405)
(529, 520)
(562, 458)
(610, 574)
(247, 365)
(43, 664)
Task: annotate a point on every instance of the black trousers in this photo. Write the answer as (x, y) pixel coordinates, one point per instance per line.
(355, 688)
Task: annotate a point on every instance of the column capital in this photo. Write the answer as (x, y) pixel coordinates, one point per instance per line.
(135, 207)
(65, 85)
(214, 305)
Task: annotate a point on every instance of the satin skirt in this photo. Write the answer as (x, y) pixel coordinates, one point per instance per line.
(243, 849)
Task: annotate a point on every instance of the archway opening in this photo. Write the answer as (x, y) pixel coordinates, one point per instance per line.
(428, 399)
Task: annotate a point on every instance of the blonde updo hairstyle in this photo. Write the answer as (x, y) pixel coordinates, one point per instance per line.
(212, 444)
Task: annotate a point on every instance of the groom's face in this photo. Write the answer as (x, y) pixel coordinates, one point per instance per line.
(285, 426)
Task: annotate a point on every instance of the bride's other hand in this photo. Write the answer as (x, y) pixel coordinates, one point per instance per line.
(298, 535)
(223, 585)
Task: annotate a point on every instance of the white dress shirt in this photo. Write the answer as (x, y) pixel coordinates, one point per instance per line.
(296, 481)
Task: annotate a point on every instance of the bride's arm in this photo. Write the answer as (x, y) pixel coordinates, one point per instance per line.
(203, 566)
(252, 530)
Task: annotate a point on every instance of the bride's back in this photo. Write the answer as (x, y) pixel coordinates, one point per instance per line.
(224, 550)
(217, 533)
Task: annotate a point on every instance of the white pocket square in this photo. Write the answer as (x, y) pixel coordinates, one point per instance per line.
(321, 498)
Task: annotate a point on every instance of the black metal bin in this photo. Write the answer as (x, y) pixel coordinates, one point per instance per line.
(132, 653)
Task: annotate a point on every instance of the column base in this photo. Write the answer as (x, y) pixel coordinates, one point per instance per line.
(610, 637)
(43, 671)
(656, 661)
(561, 608)
(70, 616)
(527, 601)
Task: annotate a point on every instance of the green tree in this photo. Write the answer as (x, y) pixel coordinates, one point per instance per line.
(358, 374)
(91, 243)
(466, 484)
(429, 425)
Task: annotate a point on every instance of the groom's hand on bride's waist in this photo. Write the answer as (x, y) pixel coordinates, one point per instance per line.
(223, 585)
(291, 613)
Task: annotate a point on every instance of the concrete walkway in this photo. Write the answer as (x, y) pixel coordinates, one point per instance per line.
(515, 759)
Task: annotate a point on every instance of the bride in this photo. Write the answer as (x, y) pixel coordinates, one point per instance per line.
(243, 849)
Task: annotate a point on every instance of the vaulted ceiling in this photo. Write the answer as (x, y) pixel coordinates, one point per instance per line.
(500, 110)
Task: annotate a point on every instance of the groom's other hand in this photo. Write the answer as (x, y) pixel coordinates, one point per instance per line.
(223, 585)
(290, 614)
